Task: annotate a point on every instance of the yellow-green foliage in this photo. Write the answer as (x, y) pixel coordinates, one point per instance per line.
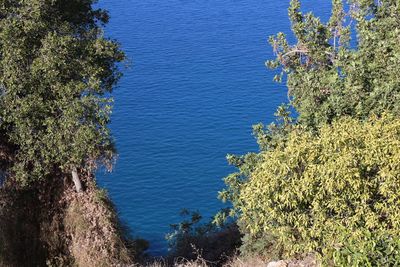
(335, 192)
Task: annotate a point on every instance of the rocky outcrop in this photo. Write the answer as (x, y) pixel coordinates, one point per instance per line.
(49, 224)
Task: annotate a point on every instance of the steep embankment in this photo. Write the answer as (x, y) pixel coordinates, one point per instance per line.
(50, 224)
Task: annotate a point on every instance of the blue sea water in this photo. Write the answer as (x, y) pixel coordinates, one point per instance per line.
(195, 86)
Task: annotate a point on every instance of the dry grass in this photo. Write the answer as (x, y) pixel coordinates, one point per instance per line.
(91, 223)
(234, 262)
(245, 262)
(51, 225)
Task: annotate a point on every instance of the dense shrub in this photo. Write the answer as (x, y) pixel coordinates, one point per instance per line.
(322, 188)
(324, 192)
(192, 239)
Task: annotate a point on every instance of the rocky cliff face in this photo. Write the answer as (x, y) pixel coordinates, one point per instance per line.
(48, 224)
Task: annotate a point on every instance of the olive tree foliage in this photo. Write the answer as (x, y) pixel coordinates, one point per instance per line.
(327, 77)
(57, 71)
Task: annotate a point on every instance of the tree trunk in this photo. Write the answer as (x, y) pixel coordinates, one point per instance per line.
(76, 180)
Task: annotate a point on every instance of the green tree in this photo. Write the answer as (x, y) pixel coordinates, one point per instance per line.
(57, 71)
(326, 76)
(329, 76)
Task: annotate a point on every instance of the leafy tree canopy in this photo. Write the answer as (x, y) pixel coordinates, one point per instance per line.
(326, 76)
(56, 72)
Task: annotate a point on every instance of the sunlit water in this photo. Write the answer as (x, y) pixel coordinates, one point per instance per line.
(196, 84)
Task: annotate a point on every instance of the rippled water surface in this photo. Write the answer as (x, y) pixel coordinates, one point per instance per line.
(196, 84)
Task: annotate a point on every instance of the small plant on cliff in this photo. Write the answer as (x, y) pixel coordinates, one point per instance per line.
(56, 70)
(193, 238)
